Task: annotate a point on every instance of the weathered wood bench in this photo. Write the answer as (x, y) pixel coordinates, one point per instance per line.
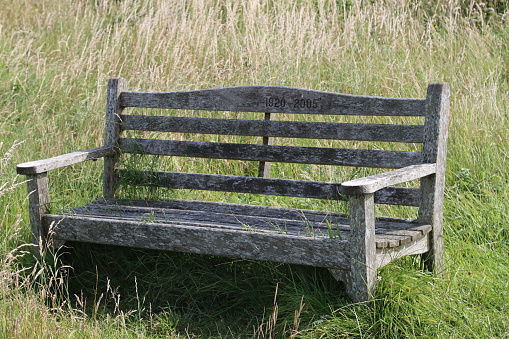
(360, 243)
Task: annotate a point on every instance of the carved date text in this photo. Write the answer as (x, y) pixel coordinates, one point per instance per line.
(293, 103)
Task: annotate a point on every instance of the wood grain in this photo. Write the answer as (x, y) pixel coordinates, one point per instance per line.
(435, 151)
(38, 198)
(42, 166)
(257, 99)
(321, 252)
(283, 129)
(387, 254)
(289, 154)
(389, 232)
(373, 183)
(282, 187)
(112, 132)
(363, 260)
(265, 166)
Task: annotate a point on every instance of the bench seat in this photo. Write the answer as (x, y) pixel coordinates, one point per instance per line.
(225, 228)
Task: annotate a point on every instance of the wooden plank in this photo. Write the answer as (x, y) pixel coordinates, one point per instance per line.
(320, 252)
(283, 129)
(435, 151)
(290, 154)
(424, 229)
(373, 183)
(411, 235)
(385, 240)
(112, 132)
(42, 166)
(362, 248)
(275, 99)
(387, 254)
(398, 196)
(240, 184)
(393, 239)
(282, 187)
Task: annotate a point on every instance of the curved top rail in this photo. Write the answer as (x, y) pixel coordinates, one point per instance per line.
(275, 99)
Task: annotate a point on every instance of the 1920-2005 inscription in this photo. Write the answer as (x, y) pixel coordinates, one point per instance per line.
(292, 103)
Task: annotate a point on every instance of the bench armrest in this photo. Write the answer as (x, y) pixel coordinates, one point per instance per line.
(41, 166)
(375, 182)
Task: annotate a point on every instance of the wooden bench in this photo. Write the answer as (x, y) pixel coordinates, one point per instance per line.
(351, 248)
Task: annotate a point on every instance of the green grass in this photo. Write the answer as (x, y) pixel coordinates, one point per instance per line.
(55, 60)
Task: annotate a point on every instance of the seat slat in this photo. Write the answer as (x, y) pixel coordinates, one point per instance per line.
(255, 185)
(256, 210)
(288, 154)
(284, 129)
(275, 99)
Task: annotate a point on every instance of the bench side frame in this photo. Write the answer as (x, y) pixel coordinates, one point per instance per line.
(434, 150)
(362, 280)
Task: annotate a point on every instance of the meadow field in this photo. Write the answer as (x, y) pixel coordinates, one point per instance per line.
(55, 60)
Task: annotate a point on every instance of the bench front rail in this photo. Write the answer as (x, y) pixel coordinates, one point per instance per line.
(351, 248)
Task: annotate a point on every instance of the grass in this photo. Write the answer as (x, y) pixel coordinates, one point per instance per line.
(55, 59)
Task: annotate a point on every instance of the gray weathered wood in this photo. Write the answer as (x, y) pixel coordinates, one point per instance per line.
(388, 254)
(290, 154)
(283, 187)
(112, 132)
(42, 166)
(264, 166)
(432, 186)
(322, 252)
(390, 232)
(284, 129)
(258, 99)
(253, 210)
(373, 183)
(240, 184)
(398, 196)
(351, 248)
(363, 261)
(38, 198)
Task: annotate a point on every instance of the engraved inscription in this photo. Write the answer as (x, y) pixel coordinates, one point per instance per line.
(294, 103)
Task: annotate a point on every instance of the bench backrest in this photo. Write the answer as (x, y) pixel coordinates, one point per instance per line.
(272, 100)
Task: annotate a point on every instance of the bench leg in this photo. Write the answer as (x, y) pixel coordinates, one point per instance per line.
(362, 278)
(431, 212)
(38, 198)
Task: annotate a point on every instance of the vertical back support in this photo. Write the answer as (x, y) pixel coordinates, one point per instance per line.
(112, 133)
(264, 168)
(432, 187)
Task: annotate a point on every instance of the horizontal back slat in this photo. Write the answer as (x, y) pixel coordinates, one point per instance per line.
(275, 99)
(285, 129)
(288, 154)
(253, 185)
